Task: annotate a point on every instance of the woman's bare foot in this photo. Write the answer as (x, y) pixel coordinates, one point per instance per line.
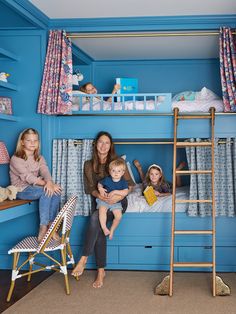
(106, 231)
(42, 231)
(79, 268)
(98, 283)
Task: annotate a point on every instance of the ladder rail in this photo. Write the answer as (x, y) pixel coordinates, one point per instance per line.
(213, 200)
(176, 110)
(211, 232)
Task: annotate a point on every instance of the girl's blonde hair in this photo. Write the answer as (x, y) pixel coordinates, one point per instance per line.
(156, 167)
(20, 152)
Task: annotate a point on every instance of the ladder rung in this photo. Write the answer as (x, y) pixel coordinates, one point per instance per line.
(193, 231)
(193, 201)
(197, 116)
(185, 264)
(185, 144)
(193, 172)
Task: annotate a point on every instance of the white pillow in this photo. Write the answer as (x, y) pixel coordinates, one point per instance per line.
(206, 94)
(129, 168)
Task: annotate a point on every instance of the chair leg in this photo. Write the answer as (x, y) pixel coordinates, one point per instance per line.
(15, 261)
(64, 270)
(70, 254)
(30, 267)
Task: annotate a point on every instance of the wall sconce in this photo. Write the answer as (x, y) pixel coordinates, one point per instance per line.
(4, 156)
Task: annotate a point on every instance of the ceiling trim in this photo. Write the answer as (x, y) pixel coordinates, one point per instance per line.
(80, 56)
(170, 23)
(27, 10)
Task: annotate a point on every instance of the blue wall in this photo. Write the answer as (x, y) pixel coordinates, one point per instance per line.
(164, 76)
(26, 73)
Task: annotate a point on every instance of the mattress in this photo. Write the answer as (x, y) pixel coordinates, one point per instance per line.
(137, 202)
(198, 105)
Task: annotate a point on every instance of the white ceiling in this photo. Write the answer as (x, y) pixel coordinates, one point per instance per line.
(141, 48)
(128, 8)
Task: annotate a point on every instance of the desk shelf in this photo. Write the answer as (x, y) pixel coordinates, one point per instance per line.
(9, 117)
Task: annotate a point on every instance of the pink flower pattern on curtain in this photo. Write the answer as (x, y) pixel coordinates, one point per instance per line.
(228, 68)
(56, 89)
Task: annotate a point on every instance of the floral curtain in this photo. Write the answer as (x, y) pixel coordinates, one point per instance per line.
(199, 158)
(56, 89)
(68, 163)
(227, 45)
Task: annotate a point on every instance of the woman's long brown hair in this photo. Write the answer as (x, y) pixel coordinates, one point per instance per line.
(110, 156)
(20, 152)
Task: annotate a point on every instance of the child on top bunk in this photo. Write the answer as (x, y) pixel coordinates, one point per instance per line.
(155, 178)
(90, 89)
(109, 186)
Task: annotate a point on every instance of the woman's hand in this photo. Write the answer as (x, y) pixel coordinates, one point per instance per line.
(102, 191)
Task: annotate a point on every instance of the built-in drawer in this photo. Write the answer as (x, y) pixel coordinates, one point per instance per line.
(224, 255)
(144, 255)
(112, 254)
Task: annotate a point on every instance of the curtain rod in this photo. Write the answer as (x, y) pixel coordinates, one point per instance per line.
(143, 34)
(80, 142)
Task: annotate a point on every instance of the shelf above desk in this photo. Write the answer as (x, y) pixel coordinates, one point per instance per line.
(8, 117)
(8, 54)
(8, 85)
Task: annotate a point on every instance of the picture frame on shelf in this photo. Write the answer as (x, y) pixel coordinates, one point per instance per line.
(5, 105)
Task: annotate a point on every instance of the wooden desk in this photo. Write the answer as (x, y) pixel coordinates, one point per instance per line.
(16, 208)
(8, 204)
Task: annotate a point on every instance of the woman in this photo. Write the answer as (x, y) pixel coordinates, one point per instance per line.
(30, 174)
(89, 88)
(95, 170)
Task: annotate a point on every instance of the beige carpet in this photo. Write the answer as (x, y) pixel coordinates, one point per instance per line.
(128, 292)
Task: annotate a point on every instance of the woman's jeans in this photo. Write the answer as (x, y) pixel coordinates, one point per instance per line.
(95, 240)
(48, 205)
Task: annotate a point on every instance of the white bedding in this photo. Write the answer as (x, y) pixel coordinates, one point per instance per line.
(127, 105)
(198, 105)
(137, 202)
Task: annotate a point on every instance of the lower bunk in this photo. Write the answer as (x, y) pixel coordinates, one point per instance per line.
(142, 242)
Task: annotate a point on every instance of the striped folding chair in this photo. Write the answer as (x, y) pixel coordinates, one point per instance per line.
(30, 245)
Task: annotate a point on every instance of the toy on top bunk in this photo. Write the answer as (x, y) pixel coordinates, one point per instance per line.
(189, 101)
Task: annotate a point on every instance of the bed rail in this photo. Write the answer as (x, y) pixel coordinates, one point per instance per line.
(84, 104)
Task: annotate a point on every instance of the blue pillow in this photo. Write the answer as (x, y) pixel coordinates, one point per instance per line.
(187, 95)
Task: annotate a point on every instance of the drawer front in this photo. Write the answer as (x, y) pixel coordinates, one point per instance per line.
(195, 254)
(144, 255)
(112, 254)
(224, 255)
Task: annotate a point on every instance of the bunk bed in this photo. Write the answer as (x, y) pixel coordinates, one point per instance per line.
(142, 240)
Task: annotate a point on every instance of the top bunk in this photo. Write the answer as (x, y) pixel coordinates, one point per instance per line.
(145, 103)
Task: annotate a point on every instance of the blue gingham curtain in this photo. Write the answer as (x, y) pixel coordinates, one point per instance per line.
(199, 158)
(68, 163)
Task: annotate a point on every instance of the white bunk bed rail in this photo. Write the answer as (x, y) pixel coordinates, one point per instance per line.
(84, 104)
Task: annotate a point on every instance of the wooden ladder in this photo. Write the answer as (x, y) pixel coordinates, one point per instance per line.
(173, 264)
